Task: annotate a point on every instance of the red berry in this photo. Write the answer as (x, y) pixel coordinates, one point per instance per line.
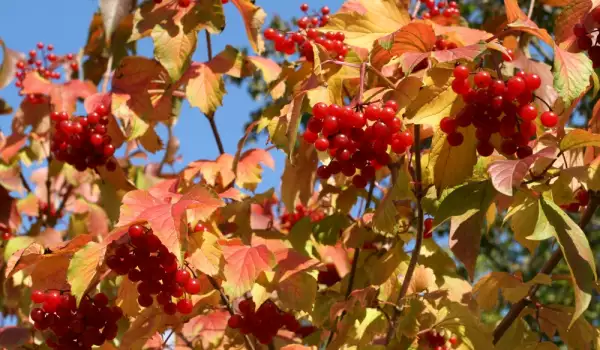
(322, 144)
(38, 297)
(482, 79)
(428, 224)
(461, 72)
(310, 137)
(192, 286)
(235, 321)
(485, 149)
(100, 299)
(184, 3)
(579, 30)
(533, 81)
(508, 56)
(515, 86)
(508, 147)
(549, 119)
(325, 10)
(584, 42)
(145, 300)
(528, 112)
(524, 152)
(460, 86)
(135, 231)
(270, 34)
(583, 197)
(596, 14)
(359, 181)
(406, 138)
(304, 7)
(455, 139)
(185, 306)
(182, 277)
(448, 125)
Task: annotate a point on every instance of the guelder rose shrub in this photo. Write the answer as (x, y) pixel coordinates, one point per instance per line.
(438, 189)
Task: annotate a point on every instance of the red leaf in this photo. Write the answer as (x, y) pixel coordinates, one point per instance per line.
(506, 174)
(209, 328)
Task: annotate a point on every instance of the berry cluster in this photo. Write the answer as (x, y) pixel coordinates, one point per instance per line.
(75, 327)
(147, 261)
(582, 198)
(584, 38)
(288, 220)
(442, 8)
(43, 61)
(301, 40)
(496, 106)
(330, 276)
(356, 140)
(439, 340)
(83, 141)
(263, 323)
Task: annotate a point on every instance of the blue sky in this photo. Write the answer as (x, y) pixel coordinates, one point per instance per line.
(64, 23)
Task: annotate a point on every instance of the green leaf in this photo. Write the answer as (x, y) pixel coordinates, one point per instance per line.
(384, 218)
(579, 138)
(577, 252)
(527, 221)
(16, 243)
(300, 234)
(83, 268)
(327, 231)
(572, 72)
(465, 201)
(174, 50)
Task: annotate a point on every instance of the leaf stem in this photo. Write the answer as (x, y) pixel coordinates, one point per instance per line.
(24, 181)
(416, 9)
(531, 6)
(547, 269)
(107, 74)
(419, 239)
(388, 82)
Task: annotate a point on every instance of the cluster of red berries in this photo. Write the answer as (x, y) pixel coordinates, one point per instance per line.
(582, 198)
(263, 323)
(288, 220)
(442, 8)
(496, 106)
(356, 140)
(584, 38)
(438, 340)
(83, 141)
(45, 63)
(75, 327)
(329, 276)
(301, 40)
(147, 261)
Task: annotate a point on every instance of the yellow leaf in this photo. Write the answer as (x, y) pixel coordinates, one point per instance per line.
(452, 165)
(127, 297)
(84, 268)
(378, 18)
(298, 179)
(205, 88)
(298, 292)
(205, 253)
(174, 52)
(253, 17)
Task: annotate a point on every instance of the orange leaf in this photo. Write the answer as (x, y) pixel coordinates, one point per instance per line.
(572, 14)
(413, 37)
(253, 17)
(249, 170)
(166, 211)
(214, 172)
(517, 19)
(243, 265)
(62, 96)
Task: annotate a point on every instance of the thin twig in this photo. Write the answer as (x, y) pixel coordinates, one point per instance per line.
(531, 6)
(208, 45)
(389, 83)
(107, 74)
(419, 239)
(547, 269)
(24, 181)
(361, 86)
(164, 344)
(353, 268)
(215, 131)
(163, 161)
(416, 10)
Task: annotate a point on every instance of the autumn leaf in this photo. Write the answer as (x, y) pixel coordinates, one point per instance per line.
(62, 96)
(205, 88)
(13, 337)
(415, 37)
(577, 138)
(174, 51)
(298, 292)
(451, 166)
(577, 252)
(506, 174)
(379, 18)
(299, 175)
(572, 72)
(205, 253)
(209, 328)
(248, 171)
(243, 265)
(203, 14)
(384, 218)
(83, 268)
(144, 326)
(571, 14)
(254, 18)
(127, 297)
(166, 211)
(113, 11)
(518, 20)
(8, 66)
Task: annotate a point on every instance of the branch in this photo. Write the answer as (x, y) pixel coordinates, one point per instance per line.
(547, 269)
(389, 83)
(164, 344)
(417, 250)
(416, 10)
(24, 181)
(531, 6)
(211, 118)
(107, 74)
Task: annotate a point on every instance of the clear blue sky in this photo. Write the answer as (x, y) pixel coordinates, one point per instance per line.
(64, 23)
